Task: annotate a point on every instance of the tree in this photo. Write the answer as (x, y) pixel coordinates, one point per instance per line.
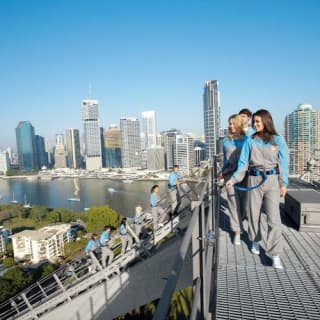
(9, 249)
(72, 249)
(38, 213)
(8, 262)
(97, 217)
(5, 289)
(47, 269)
(18, 278)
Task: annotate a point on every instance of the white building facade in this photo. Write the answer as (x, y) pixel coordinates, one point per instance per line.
(148, 129)
(185, 156)
(155, 159)
(45, 243)
(92, 138)
(4, 162)
(60, 155)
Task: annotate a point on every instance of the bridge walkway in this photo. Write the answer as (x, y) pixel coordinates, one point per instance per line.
(249, 288)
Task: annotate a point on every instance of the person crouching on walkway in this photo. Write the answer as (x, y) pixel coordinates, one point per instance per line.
(265, 156)
(126, 240)
(106, 251)
(158, 213)
(232, 145)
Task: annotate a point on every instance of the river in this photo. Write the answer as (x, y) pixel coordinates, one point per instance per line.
(122, 197)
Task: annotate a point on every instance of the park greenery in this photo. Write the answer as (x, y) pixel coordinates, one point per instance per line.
(18, 218)
(17, 172)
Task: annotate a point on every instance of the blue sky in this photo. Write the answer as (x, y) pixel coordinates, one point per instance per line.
(154, 55)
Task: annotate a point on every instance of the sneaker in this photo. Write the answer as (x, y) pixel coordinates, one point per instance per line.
(255, 249)
(276, 262)
(236, 239)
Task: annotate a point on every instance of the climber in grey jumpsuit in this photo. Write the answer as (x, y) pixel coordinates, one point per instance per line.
(232, 145)
(265, 157)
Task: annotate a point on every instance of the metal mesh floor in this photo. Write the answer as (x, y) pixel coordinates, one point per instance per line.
(249, 288)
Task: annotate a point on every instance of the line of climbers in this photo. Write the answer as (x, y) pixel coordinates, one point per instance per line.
(160, 217)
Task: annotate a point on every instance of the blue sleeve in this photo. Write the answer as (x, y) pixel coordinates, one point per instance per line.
(123, 229)
(172, 179)
(283, 156)
(243, 162)
(103, 238)
(88, 247)
(153, 200)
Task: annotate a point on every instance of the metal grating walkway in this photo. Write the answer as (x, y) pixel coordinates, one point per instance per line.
(249, 288)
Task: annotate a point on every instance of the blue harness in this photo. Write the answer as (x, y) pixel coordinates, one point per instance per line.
(256, 173)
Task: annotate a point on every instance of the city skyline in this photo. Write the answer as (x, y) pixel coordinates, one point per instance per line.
(154, 56)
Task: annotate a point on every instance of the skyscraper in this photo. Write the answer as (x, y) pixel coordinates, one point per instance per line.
(168, 141)
(155, 158)
(26, 145)
(185, 153)
(60, 155)
(92, 139)
(148, 129)
(73, 148)
(211, 115)
(130, 143)
(302, 133)
(41, 154)
(112, 145)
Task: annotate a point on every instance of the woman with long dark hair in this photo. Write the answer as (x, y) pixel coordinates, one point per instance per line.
(265, 157)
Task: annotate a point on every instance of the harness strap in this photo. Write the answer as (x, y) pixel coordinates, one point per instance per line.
(264, 178)
(256, 173)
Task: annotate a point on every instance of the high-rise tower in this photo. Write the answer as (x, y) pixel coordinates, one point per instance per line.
(92, 139)
(60, 156)
(112, 145)
(130, 142)
(26, 146)
(148, 129)
(211, 115)
(73, 148)
(302, 133)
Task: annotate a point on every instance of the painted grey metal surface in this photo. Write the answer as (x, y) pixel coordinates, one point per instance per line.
(248, 286)
(303, 207)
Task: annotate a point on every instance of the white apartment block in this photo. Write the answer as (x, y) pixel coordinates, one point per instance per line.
(45, 243)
